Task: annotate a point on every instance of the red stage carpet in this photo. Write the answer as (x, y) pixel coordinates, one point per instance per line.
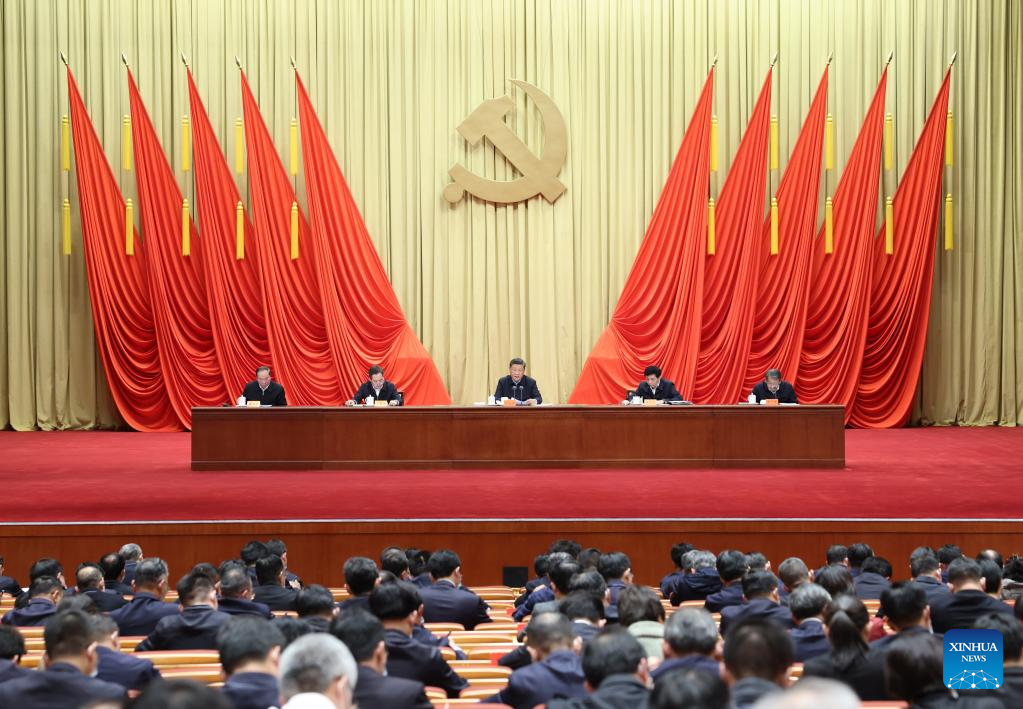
(921, 473)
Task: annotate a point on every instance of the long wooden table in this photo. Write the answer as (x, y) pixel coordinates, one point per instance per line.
(337, 438)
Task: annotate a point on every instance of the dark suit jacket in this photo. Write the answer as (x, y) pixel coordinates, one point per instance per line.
(762, 608)
(444, 603)
(355, 603)
(666, 391)
(959, 610)
(121, 588)
(560, 674)
(689, 662)
(10, 586)
(388, 392)
(58, 686)
(273, 396)
(865, 676)
(252, 690)
(540, 595)
(106, 601)
(1011, 691)
(413, 660)
(529, 390)
(615, 692)
(243, 606)
(668, 583)
(376, 690)
(9, 671)
(142, 614)
(125, 670)
(195, 628)
(809, 640)
(34, 614)
(936, 591)
(870, 585)
(696, 586)
(276, 598)
(129, 572)
(786, 394)
(727, 596)
(584, 631)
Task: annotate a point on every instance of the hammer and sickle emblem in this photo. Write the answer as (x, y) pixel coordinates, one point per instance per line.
(539, 174)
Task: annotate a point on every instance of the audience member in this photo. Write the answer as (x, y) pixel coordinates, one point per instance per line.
(967, 602)
(316, 607)
(236, 594)
(78, 603)
(615, 667)
(277, 546)
(195, 628)
(857, 554)
(544, 593)
(132, 555)
(115, 666)
(690, 643)
(874, 577)
(691, 689)
(292, 629)
(447, 601)
(807, 604)
(641, 613)
(836, 555)
(812, 693)
(586, 613)
(252, 552)
(848, 623)
(926, 573)
(991, 573)
(89, 582)
(589, 558)
(1011, 691)
(417, 560)
(836, 580)
(540, 567)
(1012, 579)
(361, 576)
(946, 555)
(616, 568)
(701, 577)
(180, 694)
(904, 608)
(112, 565)
(250, 652)
(147, 607)
(43, 596)
(7, 583)
(757, 654)
(731, 567)
(793, 572)
(393, 560)
(913, 672)
(559, 580)
(673, 577)
(12, 649)
(315, 667)
(759, 600)
(270, 589)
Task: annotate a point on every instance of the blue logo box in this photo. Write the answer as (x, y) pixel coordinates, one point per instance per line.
(972, 659)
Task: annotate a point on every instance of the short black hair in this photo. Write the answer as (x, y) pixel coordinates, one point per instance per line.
(757, 648)
(589, 558)
(276, 546)
(67, 634)
(443, 563)
(1013, 569)
(992, 575)
(103, 626)
(568, 546)
(292, 629)
(561, 575)
(858, 553)
(836, 579)
(808, 600)
(268, 569)
(636, 603)
(180, 694)
(112, 565)
(836, 554)
(516, 360)
(877, 565)
(903, 604)
(758, 584)
(88, 576)
(360, 631)
(376, 369)
(394, 601)
(613, 565)
(964, 569)
(78, 602)
(244, 638)
(652, 371)
(548, 632)
(913, 666)
(690, 688)
(417, 560)
(192, 586)
(393, 559)
(731, 564)
(923, 564)
(792, 572)
(45, 567)
(540, 565)
(1011, 630)
(234, 582)
(949, 553)
(756, 561)
(590, 582)
(582, 605)
(12, 644)
(314, 599)
(43, 586)
(361, 575)
(150, 571)
(253, 551)
(205, 568)
(612, 651)
(678, 551)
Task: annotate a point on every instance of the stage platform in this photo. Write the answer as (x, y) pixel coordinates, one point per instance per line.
(77, 494)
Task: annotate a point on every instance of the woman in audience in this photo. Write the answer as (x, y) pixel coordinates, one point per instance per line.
(847, 626)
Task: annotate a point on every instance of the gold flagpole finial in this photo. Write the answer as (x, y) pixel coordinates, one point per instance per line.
(293, 64)
(891, 55)
(184, 60)
(953, 59)
(238, 61)
(124, 59)
(830, 57)
(774, 59)
(714, 63)
(63, 58)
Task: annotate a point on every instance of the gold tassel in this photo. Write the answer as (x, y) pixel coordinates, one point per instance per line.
(713, 143)
(948, 220)
(294, 230)
(889, 122)
(948, 138)
(774, 142)
(294, 146)
(829, 227)
(126, 143)
(65, 214)
(239, 232)
(711, 228)
(129, 228)
(889, 227)
(829, 143)
(186, 145)
(186, 231)
(774, 226)
(65, 143)
(239, 146)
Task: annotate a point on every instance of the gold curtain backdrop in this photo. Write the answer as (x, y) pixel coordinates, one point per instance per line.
(480, 283)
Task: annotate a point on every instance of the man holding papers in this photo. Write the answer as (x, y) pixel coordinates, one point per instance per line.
(653, 387)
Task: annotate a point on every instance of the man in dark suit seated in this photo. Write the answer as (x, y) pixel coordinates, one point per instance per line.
(90, 582)
(132, 555)
(690, 639)
(43, 596)
(671, 579)
(543, 593)
(836, 554)
(42, 567)
(857, 554)
(316, 606)
(271, 590)
(393, 559)
(250, 649)
(264, 390)
(398, 605)
(904, 608)
(653, 387)
(561, 581)
(793, 573)
(317, 664)
(875, 576)
(12, 649)
(195, 628)
(585, 611)
(556, 670)
(946, 555)
(67, 680)
(363, 634)
(361, 577)
(926, 572)
(731, 567)
(807, 603)
(114, 666)
(236, 594)
(758, 654)
(968, 600)
(540, 567)
(774, 388)
(7, 584)
(1011, 691)
(278, 547)
(615, 667)
(518, 386)
(914, 673)
(701, 577)
(378, 388)
(147, 607)
(760, 600)
(112, 565)
(616, 568)
(447, 601)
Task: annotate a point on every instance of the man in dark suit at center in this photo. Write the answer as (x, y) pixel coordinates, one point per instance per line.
(236, 594)
(875, 577)
(195, 628)
(264, 390)
(516, 385)
(271, 590)
(774, 388)
(731, 567)
(807, 603)
(446, 601)
(43, 596)
(250, 652)
(968, 600)
(377, 387)
(654, 387)
(115, 666)
(760, 600)
(147, 606)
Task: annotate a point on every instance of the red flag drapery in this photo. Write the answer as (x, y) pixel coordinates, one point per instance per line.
(233, 293)
(782, 290)
(291, 292)
(839, 298)
(123, 320)
(656, 320)
(363, 316)
(731, 273)
(177, 291)
(901, 294)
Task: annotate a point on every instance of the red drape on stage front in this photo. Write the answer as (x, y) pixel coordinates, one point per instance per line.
(657, 319)
(125, 332)
(294, 310)
(839, 299)
(784, 280)
(177, 291)
(363, 317)
(900, 299)
(233, 292)
(731, 274)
